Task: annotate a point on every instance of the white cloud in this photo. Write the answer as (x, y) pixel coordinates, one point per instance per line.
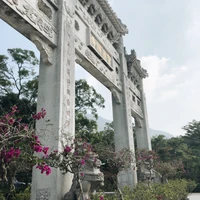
(164, 80)
(172, 93)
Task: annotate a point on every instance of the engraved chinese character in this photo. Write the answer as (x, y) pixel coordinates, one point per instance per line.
(68, 91)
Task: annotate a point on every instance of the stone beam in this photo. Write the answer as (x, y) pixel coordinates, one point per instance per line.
(27, 19)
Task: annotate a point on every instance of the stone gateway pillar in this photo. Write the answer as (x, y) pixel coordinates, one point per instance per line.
(122, 120)
(56, 95)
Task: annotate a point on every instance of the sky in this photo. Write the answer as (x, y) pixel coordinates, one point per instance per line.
(166, 37)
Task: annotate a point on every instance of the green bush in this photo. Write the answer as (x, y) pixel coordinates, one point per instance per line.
(25, 195)
(173, 190)
(2, 197)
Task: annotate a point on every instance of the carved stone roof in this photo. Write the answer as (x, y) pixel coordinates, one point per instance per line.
(120, 27)
(133, 62)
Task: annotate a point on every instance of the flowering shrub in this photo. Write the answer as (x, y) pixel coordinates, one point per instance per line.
(170, 170)
(18, 142)
(146, 161)
(72, 158)
(147, 158)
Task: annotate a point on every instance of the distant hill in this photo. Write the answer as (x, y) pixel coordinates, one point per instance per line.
(152, 132)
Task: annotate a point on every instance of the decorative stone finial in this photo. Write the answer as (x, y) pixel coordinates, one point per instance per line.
(90, 178)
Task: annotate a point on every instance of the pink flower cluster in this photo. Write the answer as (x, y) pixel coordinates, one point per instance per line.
(8, 118)
(40, 114)
(101, 198)
(12, 153)
(67, 149)
(39, 148)
(82, 162)
(44, 168)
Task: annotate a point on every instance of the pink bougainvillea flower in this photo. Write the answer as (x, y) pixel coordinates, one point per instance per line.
(44, 168)
(82, 162)
(37, 148)
(45, 150)
(40, 114)
(11, 121)
(101, 198)
(67, 149)
(11, 153)
(7, 116)
(82, 174)
(47, 169)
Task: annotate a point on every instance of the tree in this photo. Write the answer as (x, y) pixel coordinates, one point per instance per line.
(192, 140)
(17, 78)
(19, 82)
(192, 135)
(18, 142)
(87, 98)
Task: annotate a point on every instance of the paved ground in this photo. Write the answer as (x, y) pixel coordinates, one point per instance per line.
(194, 196)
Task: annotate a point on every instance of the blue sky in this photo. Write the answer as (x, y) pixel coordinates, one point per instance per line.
(166, 37)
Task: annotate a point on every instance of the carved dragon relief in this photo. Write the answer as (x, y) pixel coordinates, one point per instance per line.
(45, 50)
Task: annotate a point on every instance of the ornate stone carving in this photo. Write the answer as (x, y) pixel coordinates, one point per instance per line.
(36, 19)
(54, 3)
(13, 2)
(91, 9)
(45, 50)
(90, 56)
(120, 27)
(90, 179)
(134, 67)
(33, 18)
(43, 194)
(97, 30)
(116, 38)
(76, 26)
(67, 8)
(45, 8)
